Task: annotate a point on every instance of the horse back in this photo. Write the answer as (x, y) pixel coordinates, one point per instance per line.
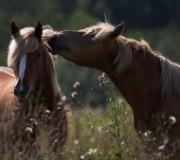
(6, 73)
(7, 83)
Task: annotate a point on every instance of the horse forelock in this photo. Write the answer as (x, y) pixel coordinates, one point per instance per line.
(48, 33)
(100, 30)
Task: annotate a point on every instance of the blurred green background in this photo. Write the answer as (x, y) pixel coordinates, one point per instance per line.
(156, 21)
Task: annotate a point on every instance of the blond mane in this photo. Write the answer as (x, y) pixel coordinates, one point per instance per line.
(170, 71)
(100, 30)
(48, 33)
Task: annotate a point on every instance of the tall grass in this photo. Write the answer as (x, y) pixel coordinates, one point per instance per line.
(93, 134)
(103, 134)
(109, 134)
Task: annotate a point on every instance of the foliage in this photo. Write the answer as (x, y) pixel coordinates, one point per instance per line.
(88, 90)
(3, 59)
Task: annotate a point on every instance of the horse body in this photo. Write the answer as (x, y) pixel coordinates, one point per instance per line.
(148, 81)
(144, 94)
(30, 92)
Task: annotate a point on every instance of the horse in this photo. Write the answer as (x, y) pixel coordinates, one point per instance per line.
(148, 81)
(31, 93)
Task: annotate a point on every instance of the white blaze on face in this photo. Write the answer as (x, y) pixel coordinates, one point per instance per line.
(22, 69)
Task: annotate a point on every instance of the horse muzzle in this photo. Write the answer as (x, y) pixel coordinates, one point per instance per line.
(21, 94)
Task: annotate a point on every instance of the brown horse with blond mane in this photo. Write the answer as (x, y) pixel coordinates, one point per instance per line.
(148, 81)
(30, 91)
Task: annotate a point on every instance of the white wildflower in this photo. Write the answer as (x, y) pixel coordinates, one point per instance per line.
(63, 98)
(147, 133)
(82, 157)
(91, 151)
(74, 94)
(76, 141)
(100, 129)
(29, 130)
(161, 147)
(76, 84)
(47, 111)
(55, 141)
(122, 143)
(172, 120)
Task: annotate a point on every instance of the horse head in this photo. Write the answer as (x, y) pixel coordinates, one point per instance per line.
(93, 46)
(26, 56)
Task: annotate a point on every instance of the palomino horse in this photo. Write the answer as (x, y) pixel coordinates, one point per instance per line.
(149, 82)
(36, 91)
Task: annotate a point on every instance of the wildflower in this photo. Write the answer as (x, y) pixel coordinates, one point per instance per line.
(32, 120)
(104, 81)
(91, 151)
(76, 141)
(166, 141)
(161, 147)
(82, 157)
(100, 129)
(63, 98)
(29, 130)
(47, 111)
(73, 94)
(172, 120)
(76, 84)
(147, 133)
(55, 142)
(91, 127)
(122, 143)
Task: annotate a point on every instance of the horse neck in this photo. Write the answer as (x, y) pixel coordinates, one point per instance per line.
(50, 88)
(139, 84)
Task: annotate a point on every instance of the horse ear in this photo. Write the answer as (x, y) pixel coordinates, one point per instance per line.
(14, 29)
(117, 30)
(38, 31)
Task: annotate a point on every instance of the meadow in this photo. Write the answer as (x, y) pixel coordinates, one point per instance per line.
(109, 134)
(93, 134)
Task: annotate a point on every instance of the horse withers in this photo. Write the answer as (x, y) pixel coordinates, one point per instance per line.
(30, 92)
